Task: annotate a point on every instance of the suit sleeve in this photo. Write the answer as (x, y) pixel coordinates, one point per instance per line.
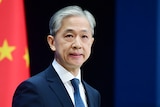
(26, 95)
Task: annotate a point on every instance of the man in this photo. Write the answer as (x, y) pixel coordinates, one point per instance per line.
(71, 39)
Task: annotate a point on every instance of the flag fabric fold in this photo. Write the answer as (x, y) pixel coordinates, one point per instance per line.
(14, 54)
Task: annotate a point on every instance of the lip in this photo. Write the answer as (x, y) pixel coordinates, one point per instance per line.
(75, 54)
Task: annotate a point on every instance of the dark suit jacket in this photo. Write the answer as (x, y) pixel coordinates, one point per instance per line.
(47, 90)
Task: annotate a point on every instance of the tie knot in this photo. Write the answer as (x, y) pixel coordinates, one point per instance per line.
(75, 83)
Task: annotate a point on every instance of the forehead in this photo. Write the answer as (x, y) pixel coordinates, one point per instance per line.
(75, 22)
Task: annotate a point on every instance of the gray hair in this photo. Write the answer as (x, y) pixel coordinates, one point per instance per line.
(56, 19)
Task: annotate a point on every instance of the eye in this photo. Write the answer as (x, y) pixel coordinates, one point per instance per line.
(84, 36)
(69, 36)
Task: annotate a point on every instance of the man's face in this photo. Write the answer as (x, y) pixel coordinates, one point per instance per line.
(73, 42)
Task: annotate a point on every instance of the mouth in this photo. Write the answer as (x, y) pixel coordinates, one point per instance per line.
(76, 55)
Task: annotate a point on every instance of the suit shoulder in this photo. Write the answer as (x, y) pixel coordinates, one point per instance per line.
(40, 77)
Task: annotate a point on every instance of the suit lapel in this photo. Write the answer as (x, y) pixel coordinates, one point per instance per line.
(88, 95)
(58, 88)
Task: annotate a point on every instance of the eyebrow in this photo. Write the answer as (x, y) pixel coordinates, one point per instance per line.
(71, 30)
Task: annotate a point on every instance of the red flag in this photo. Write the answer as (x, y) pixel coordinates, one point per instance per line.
(14, 57)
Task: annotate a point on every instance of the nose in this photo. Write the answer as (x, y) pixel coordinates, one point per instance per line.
(76, 43)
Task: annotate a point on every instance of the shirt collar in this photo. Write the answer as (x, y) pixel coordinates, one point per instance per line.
(64, 74)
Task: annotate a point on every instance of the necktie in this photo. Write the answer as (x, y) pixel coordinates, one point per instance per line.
(77, 97)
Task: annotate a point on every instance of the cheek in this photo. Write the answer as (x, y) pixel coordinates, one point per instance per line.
(88, 48)
(89, 45)
(62, 48)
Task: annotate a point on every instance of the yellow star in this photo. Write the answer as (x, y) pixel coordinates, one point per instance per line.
(6, 50)
(26, 57)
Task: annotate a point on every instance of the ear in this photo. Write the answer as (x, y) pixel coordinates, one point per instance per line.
(51, 42)
(92, 40)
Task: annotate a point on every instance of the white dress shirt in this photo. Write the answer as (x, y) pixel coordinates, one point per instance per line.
(66, 76)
